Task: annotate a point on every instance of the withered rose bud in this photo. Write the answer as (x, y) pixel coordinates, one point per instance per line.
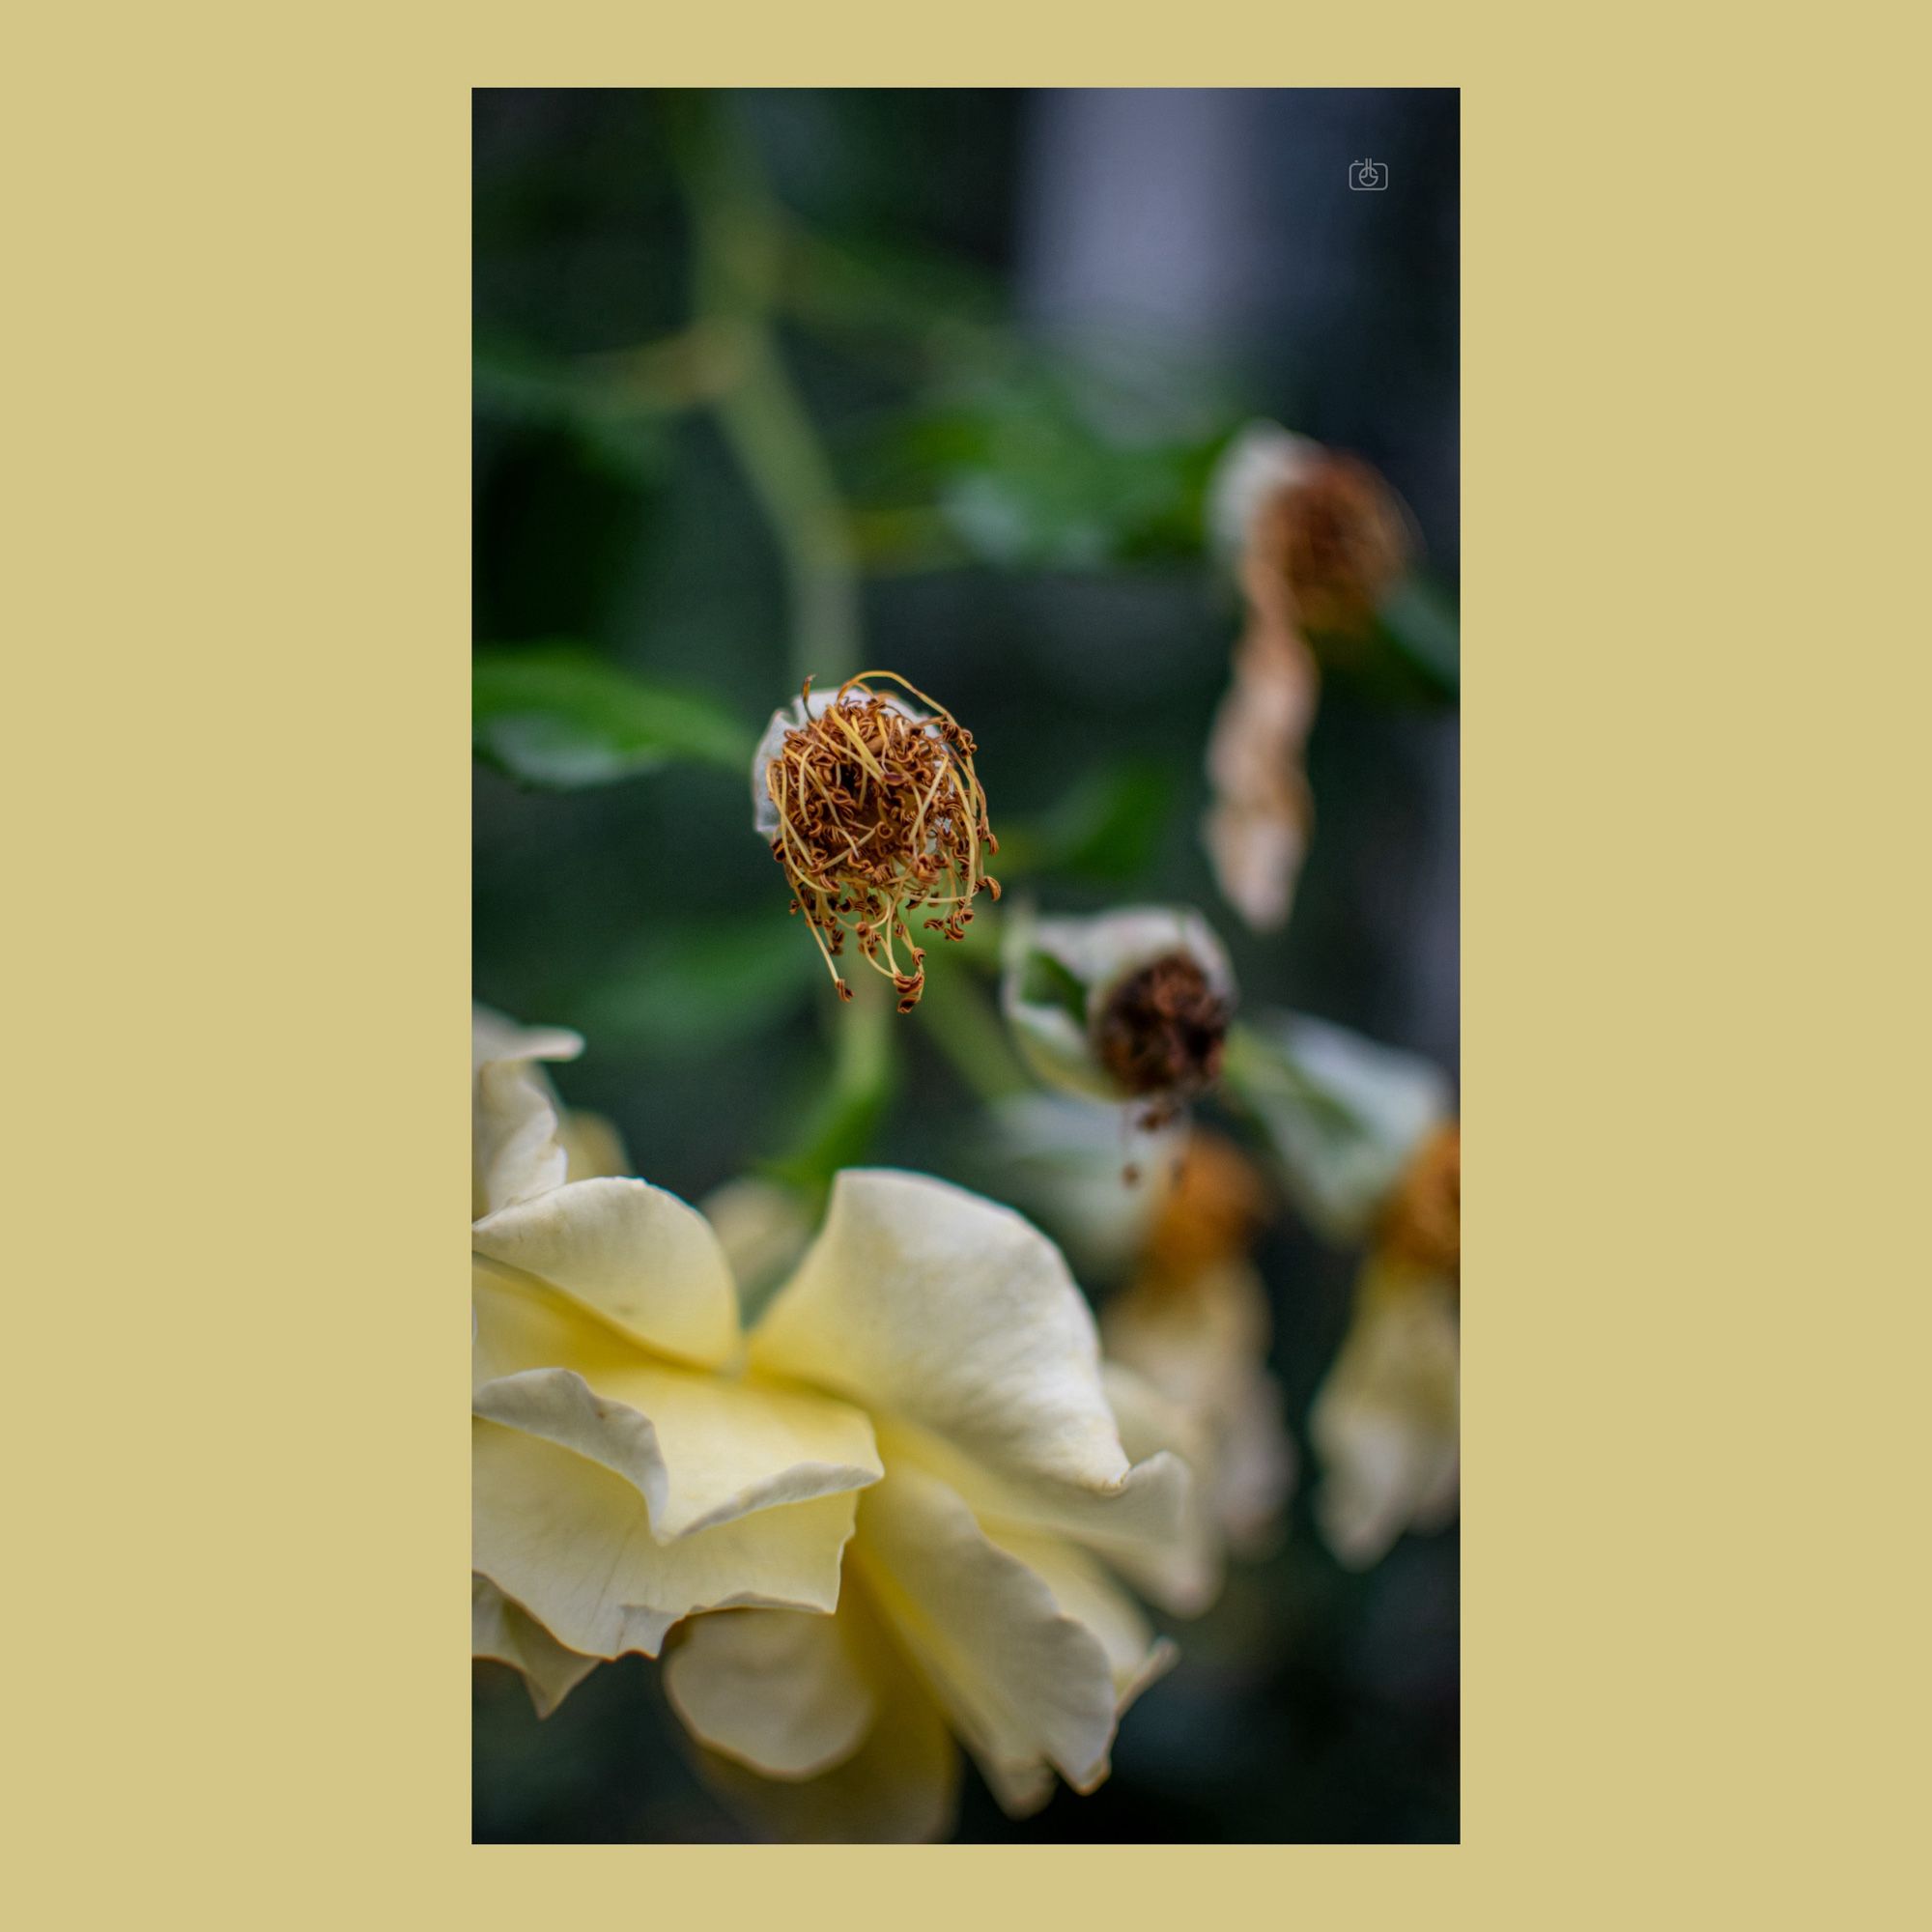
(1319, 537)
(1127, 1006)
(1163, 1029)
(873, 808)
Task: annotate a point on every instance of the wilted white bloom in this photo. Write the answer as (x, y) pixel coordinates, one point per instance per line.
(898, 1494)
(1317, 540)
(1129, 1006)
(1368, 1145)
(1095, 1176)
(1343, 1115)
(1386, 1422)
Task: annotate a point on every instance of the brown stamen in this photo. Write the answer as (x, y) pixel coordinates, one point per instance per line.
(879, 814)
(1163, 1031)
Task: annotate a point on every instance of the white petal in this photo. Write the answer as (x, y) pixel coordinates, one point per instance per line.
(504, 1630)
(777, 1689)
(1264, 458)
(1024, 1684)
(1147, 1514)
(1083, 1591)
(1182, 1573)
(1386, 1423)
(701, 1447)
(921, 1300)
(492, 1036)
(1058, 973)
(1344, 1113)
(631, 1252)
(516, 1154)
(572, 1542)
(762, 1227)
(593, 1148)
(900, 1786)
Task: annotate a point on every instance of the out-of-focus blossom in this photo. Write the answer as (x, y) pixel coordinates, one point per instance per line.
(763, 1227)
(1094, 1177)
(873, 808)
(1315, 535)
(1343, 1115)
(1131, 1006)
(1386, 1423)
(924, 1398)
(1194, 1321)
(1316, 539)
(1369, 1147)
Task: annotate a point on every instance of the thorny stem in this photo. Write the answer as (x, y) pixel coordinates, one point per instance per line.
(737, 241)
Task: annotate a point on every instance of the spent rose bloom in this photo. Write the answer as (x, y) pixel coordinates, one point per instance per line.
(900, 1494)
(1366, 1143)
(1130, 1005)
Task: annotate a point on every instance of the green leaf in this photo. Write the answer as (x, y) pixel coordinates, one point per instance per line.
(551, 714)
(1418, 619)
(690, 989)
(1106, 827)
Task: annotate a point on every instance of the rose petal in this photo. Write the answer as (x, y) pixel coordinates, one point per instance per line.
(572, 1542)
(1024, 1684)
(921, 1300)
(778, 1691)
(1386, 1422)
(702, 1448)
(631, 1252)
(504, 1630)
(900, 1786)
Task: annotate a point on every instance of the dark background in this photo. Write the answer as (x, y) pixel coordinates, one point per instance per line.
(1021, 325)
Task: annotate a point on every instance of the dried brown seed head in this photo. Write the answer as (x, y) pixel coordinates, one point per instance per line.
(1339, 537)
(1163, 1029)
(879, 815)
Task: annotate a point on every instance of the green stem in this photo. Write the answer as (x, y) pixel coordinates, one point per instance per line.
(963, 1025)
(839, 1129)
(737, 237)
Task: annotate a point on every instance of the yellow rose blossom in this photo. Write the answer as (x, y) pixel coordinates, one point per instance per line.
(924, 1399)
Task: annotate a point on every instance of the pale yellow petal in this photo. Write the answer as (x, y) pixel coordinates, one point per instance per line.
(572, 1542)
(779, 1691)
(921, 1300)
(1386, 1423)
(1085, 1592)
(1148, 1512)
(1182, 1573)
(516, 1154)
(631, 1252)
(1025, 1684)
(506, 1632)
(593, 1148)
(493, 1037)
(702, 1448)
(900, 1786)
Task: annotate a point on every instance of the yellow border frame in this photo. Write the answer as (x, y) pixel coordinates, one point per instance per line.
(236, 786)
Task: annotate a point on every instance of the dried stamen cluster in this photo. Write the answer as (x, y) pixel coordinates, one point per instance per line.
(1163, 1031)
(1340, 538)
(880, 816)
